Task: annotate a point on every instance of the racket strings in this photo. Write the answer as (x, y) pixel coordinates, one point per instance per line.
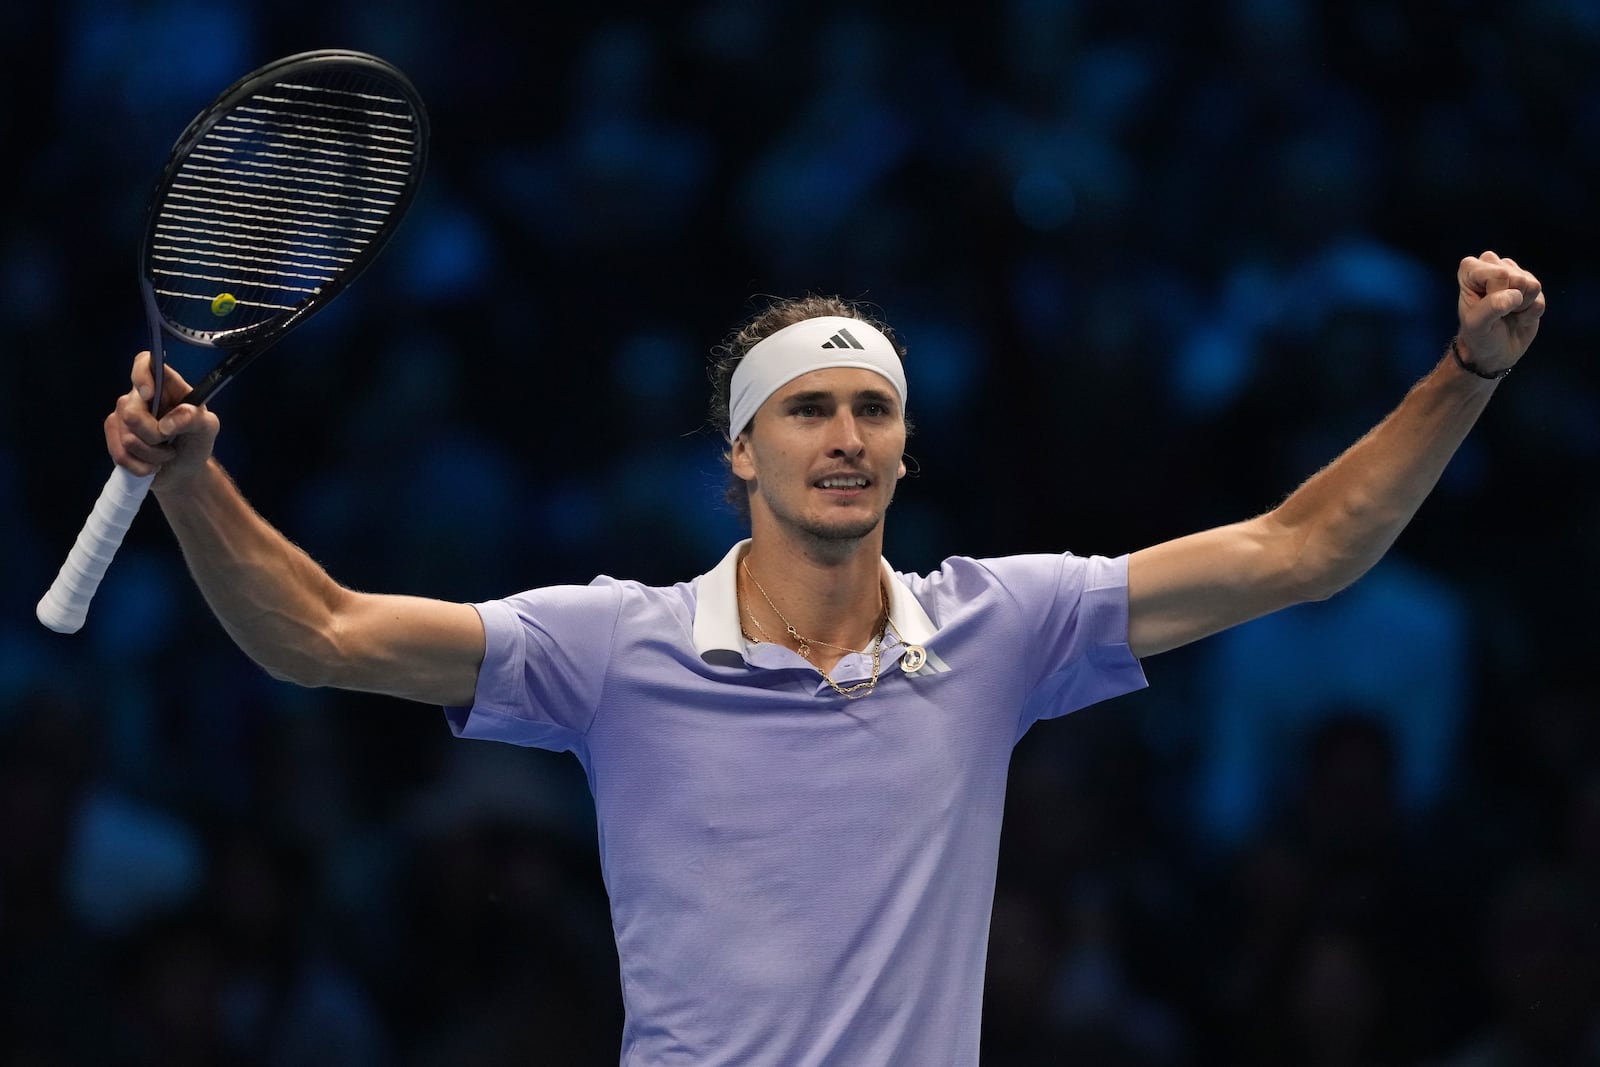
(278, 199)
(309, 174)
(205, 238)
(328, 134)
(306, 141)
(275, 208)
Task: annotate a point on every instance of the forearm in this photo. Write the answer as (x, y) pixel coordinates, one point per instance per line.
(1328, 533)
(1331, 530)
(1344, 518)
(275, 602)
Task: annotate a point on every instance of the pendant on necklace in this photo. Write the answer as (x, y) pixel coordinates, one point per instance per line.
(913, 658)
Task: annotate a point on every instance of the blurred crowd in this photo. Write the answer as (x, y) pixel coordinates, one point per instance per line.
(1154, 262)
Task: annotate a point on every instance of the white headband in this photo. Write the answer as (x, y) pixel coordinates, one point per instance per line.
(808, 345)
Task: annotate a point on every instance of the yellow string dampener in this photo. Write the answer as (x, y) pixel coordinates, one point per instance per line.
(223, 304)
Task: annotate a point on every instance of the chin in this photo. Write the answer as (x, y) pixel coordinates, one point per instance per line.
(842, 526)
(852, 528)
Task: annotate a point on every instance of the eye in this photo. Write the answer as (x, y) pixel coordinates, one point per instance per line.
(807, 411)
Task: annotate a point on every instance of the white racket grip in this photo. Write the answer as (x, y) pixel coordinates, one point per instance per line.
(64, 607)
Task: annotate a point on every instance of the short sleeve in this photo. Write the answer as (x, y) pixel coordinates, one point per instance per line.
(544, 666)
(1076, 613)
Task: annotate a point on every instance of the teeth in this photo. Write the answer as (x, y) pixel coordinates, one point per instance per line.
(843, 483)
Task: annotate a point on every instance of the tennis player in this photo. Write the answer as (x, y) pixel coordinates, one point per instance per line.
(799, 758)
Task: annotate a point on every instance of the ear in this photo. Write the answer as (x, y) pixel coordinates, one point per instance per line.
(901, 473)
(741, 459)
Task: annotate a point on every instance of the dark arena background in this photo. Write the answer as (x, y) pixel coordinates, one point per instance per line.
(1155, 264)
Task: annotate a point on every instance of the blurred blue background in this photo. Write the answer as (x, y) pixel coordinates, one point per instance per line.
(1155, 264)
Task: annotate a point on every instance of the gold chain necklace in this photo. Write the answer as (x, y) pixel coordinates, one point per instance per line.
(849, 692)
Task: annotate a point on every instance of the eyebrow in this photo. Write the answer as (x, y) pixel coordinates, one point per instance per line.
(815, 396)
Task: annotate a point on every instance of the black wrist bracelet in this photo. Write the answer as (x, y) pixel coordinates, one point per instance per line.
(1472, 368)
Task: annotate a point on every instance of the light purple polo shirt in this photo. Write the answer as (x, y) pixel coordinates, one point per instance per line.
(795, 878)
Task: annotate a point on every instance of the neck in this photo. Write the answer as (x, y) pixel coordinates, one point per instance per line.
(835, 599)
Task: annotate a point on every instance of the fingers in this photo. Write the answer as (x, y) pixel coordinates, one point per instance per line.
(141, 377)
(1494, 286)
(184, 419)
(143, 444)
(173, 384)
(131, 436)
(1489, 273)
(1504, 301)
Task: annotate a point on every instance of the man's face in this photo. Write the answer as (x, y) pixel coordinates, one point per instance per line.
(823, 454)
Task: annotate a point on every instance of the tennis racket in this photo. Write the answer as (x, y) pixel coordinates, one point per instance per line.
(271, 202)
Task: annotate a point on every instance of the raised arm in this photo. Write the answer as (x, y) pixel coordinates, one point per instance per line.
(1338, 524)
(277, 604)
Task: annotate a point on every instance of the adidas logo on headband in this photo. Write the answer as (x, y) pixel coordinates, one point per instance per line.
(842, 339)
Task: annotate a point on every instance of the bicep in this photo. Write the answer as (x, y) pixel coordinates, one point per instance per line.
(1195, 586)
(409, 647)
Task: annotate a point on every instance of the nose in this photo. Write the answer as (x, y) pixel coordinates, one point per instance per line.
(846, 436)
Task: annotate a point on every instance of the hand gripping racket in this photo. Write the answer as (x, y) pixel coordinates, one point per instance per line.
(272, 201)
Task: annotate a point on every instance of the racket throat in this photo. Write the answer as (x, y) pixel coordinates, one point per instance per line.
(220, 375)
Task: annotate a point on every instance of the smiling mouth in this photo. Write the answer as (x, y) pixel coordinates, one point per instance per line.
(842, 481)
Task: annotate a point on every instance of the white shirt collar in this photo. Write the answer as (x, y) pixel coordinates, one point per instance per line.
(716, 611)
